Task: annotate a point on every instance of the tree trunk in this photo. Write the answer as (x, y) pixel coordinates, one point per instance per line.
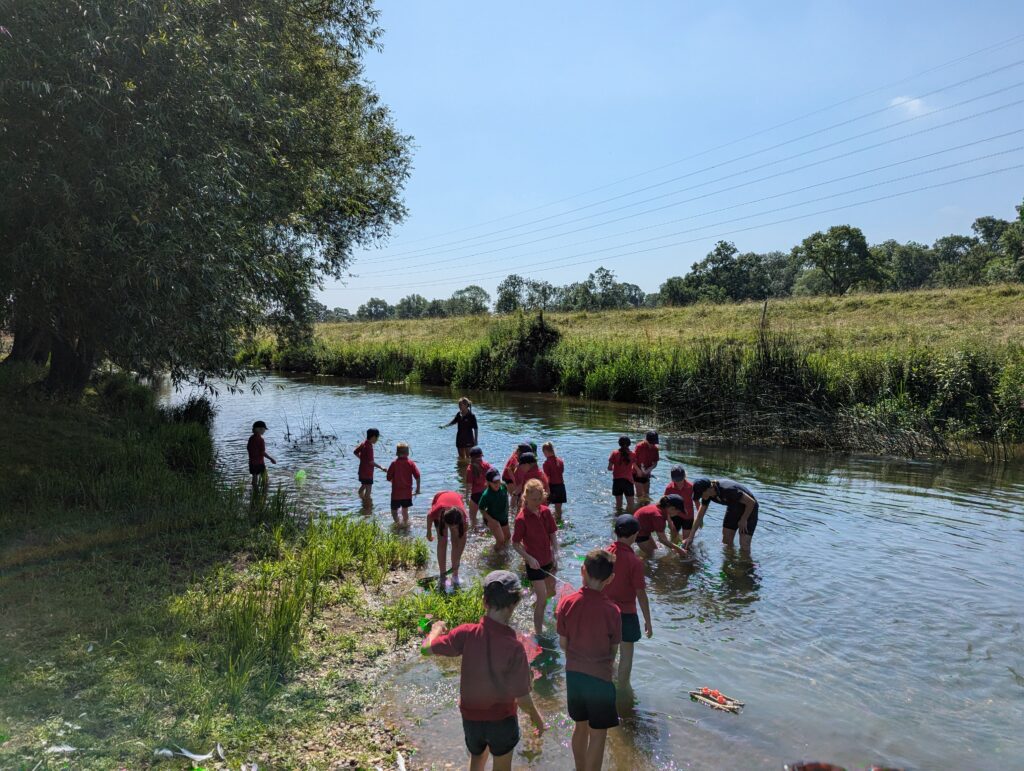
(31, 344)
(70, 366)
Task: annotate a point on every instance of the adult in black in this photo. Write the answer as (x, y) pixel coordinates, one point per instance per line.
(740, 509)
(466, 433)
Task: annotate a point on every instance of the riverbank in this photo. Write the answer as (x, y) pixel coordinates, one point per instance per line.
(149, 606)
(928, 373)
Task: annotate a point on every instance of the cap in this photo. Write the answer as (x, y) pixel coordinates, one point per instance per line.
(675, 501)
(527, 457)
(626, 525)
(652, 437)
(476, 452)
(492, 474)
(258, 424)
(678, 472)
(700, 487)
(501, 582)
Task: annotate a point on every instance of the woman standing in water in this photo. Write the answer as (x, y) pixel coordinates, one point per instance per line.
(740, 510)
(466, 431)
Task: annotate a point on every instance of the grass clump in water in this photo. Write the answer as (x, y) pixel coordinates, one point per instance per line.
(405, 615)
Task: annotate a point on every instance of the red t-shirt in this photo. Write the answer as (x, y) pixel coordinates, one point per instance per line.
(628, 578)
(685, 489)
(592, 625)
(477, 479)
(446, 500)
(510, 467)
(554, 468)
(646, 455)
(525, 473)
(365, 454)
(651, 519)
(622, 468)
(533, 530)
(257, 448)
(495, 670)
(400, 474)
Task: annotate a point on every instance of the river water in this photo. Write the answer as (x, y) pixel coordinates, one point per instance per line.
(878, 620)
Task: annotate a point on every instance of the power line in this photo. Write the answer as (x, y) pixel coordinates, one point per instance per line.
(721, 234)
(751, 154)
(759, 132)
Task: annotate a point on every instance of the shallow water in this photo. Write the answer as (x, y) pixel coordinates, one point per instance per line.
(879, 619)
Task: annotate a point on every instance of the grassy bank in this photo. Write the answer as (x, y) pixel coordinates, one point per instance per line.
(145, 605)
(934, 372)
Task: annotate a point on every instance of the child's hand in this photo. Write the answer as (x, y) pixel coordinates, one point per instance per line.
(438, 628)
(648, 629)
(430, 536)
(538, 722)
(534, 565)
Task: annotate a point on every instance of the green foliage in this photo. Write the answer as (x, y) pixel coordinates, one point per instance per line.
(841, 254)
(461, 607)
(514, 357)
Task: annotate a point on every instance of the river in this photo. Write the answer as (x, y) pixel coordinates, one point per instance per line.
(878, 620)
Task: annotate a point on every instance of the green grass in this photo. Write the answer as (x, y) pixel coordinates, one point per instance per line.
(147, 605)
(405, 615)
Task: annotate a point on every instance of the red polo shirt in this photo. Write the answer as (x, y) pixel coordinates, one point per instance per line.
(524, 474)
(651, 519)
(495, 671)
(365, 454)
(685, 489)
(592, 625)
(554, 468)
(628, 578)
(621, 468)
(443, 500)
(400, 474)
(646, 453)
(257, 448)
(477, 478)
(533, 530)
(510, 467)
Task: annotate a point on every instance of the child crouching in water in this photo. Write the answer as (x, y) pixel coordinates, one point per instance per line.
(400, 474)
(448, 514)
(495, 674)
(535, 537)
(494, 507)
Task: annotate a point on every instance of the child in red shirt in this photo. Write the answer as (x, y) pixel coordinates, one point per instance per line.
(364, 451)
(628, 589)
(554, 468)
(256, 448)
(620, 463)
(525, 471)
(646, 457)
(654, 518)
(400, 474)
(495, 674)
(589, 631)
(682, 487)
(535, 537)
(508, 475)
(476, 480)
(448, 514)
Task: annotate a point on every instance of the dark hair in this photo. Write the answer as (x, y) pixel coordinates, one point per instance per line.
(626, 525)
(476, 452)
(527, 457)
(678, 472)
(599, 564)
(523, 447)
(372, 432)
(652, 437)
(673, 500)
(497, 596)
(624, 443)
(258, 424)
(452, 515)
(700, 487)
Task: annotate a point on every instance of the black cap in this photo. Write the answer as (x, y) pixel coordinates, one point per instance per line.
(476, 452)
(258, 424)
(652, 437)
(492, 474)
(675, 501)
(626, 525)
(678, 472)
(527, 457)
(700, 487)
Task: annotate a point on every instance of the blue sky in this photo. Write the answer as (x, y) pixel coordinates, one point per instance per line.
(519, 109)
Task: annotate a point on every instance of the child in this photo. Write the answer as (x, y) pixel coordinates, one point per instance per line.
(508, 475)
(448, 514)
(476, 479)
(554, 468)
(589, 631)
(364, 451)
(495, 673)
(653, 519)
(646, 457)
(400, 474)
(620, 463)
(535, 537)
(494, 505)
(682, 487)
(257, 449)
(525, 471)
(466, 432)
(628, 589)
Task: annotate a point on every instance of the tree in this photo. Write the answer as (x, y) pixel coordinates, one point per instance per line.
(511, 294)
(1012, 243)
(579, 296)
(177, 174)
(960, 260)
(990, 230)
(338, 314)
(841, 254)
(437, 309)
(375, 309)
(905, 266)
(631, 295)
(676, 291)
(413, 306)
(540, 295)
(471, 301)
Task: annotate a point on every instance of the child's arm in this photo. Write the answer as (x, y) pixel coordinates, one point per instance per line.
(534, 565)
(563, 642)
(554, 548)
(527, 705)
(430, 531)
(645, 608)
(697, 520)
(669, 545)
(438, 629)
(269, 457)
(416, 474)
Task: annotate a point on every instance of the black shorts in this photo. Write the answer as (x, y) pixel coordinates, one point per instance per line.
(623, 487)
(642, 480)
(591, 699)
(630, 627)
(642, 538)
(366, 481)
(539, 575)
(732, 518)
(500, 736)
(400, 503)
(682, 524)
(475, 497)
(557, 494)
(257, 468)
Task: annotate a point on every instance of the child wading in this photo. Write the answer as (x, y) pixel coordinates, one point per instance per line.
(535, 537)
(476, 480)
(682, 487)
(508, 475)
(495, 674)
(646, 457)
(525, 471)
(627, 590)
(589, 631)
(257, 449)
(494, 506)
(620, 463)
(364, 451)
(654, 518)
(400, 474)
(554, 468)
(448, 514)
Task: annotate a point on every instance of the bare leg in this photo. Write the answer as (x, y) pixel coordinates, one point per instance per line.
(479, 762)
(580, 741)
(405, 516)
(507, 533)
(728, 536)
(630, 503)
(625, 662)
(394, 515)
(595, 749)
(496, 531)
(503, 762)
(458, 546)
(647, 547)
(540, 591)
(473, 509)
(442, 554)
(558, 512)
(745, 539)
(618, 503)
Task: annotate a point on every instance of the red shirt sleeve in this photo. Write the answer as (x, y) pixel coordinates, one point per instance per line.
(415, 470)
(519, 529)
(560, 625)
(549, 522)
(390, 476)
(451, 643)
(638, 581)
(518, 677)
(614, 625)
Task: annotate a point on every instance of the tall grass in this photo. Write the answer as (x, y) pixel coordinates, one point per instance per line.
(406, 613)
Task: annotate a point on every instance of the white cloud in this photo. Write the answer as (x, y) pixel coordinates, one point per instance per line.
(909, 105)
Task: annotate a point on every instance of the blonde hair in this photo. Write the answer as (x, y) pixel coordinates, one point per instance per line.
(465, 401)
(533, 484)
(402, 449)
(548, 446)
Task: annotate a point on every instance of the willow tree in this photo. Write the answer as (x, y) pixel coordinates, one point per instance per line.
(175, 174)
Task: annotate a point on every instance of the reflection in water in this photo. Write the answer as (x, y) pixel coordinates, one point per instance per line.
(881, 603)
